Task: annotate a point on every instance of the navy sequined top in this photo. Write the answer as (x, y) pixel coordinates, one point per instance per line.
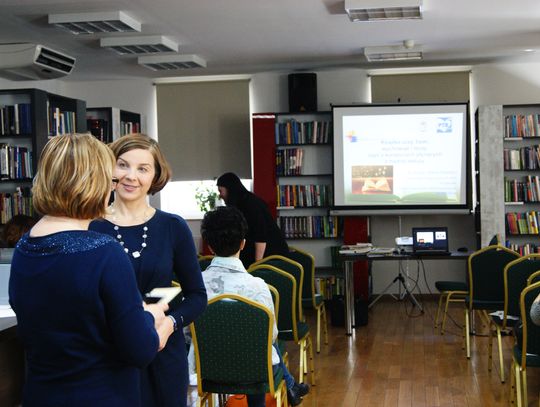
(169, 254)
(78, 310)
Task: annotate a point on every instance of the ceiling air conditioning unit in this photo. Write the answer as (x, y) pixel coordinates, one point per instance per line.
(25, 61)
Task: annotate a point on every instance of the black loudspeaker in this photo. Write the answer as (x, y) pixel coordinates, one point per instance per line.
(302, 92)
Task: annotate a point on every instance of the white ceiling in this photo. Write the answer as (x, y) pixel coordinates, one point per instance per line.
(248, 36)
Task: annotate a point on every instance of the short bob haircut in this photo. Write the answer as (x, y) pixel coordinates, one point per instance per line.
(74, 177)
(137, 141)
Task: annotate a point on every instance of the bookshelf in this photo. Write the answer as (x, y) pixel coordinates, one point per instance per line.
(109, 123)
(521, 160)
(28, 118)
(292, 155)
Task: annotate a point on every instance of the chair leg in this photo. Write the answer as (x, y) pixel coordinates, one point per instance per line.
(302, 359)
(438, 310)
(325, 323)
(319, 329)
(490, 348)
(517, 370)
(512, 383)
(443, 325)
(524, 386)
(311, 361)
(466, 333)
(499, 343)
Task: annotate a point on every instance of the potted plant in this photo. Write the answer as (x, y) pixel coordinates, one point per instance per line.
(206, 198)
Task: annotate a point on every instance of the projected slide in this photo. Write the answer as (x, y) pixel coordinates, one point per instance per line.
(402, 158)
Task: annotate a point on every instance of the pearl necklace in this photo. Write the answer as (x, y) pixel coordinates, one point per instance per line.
(137, 253)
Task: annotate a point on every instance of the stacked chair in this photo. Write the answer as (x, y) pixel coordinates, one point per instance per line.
(233, 350)
(310, 299)
(290, 324)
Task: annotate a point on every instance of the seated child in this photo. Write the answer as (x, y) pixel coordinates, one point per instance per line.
(224, 230)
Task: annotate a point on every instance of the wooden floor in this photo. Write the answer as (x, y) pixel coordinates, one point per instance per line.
(399, 360)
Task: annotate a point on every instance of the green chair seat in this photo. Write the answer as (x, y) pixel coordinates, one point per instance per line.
(308, 303)
(303, 330)
(242, 388)
(485, 305)
(451, 286)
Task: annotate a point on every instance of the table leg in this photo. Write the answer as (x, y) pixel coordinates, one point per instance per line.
(349, 297)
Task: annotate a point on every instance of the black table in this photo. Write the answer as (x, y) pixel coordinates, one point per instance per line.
(348, 260)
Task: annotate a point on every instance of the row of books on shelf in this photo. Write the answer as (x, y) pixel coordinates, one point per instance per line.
(525, 158)
(16, 203)
(295, 132)
(15, 162)
(526, 190)
(299, 227)
(289, 161)
(329, 286)
(60, 122)
(99, 128)
(520, 125)
(523, 249)
(129, 127)
(524, 223)
(301, 196)
(15, 119)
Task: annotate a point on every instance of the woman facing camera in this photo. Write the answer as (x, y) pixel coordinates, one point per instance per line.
(73, 290)
(161, 249)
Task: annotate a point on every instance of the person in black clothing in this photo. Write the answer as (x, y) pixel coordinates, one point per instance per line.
(264, 237)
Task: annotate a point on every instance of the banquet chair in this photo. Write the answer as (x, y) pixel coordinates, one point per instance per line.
(486, 284)
(516, 274)
(233, 350)
(526, 351)
(310, 299)
(290, 327)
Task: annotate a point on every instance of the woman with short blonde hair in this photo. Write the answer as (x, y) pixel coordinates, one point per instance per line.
(74, 291)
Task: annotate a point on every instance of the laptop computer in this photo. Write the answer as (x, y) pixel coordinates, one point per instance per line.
(432, 240)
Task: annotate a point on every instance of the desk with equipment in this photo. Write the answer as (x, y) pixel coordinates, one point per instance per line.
(349, 256)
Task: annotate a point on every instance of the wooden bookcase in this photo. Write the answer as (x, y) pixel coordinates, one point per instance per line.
(29, 117)
(109, 123)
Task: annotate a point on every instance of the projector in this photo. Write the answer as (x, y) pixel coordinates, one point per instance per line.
(404, 241)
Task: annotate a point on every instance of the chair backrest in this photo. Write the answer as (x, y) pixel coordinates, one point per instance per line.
(486, 273)
(204, 261)
(530, 335)
(308, 263)
(293, 268)
(285, 284)
(275, 300)
(533, 278)
(516, 274)
(233, 344)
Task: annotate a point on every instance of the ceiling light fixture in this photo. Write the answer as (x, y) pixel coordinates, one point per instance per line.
(406, 52)
(171, 62)
(148, 44)
(380, 10)
(100, 22)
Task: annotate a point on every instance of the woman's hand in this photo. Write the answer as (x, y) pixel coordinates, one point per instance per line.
(157, 311)
(164, 330)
